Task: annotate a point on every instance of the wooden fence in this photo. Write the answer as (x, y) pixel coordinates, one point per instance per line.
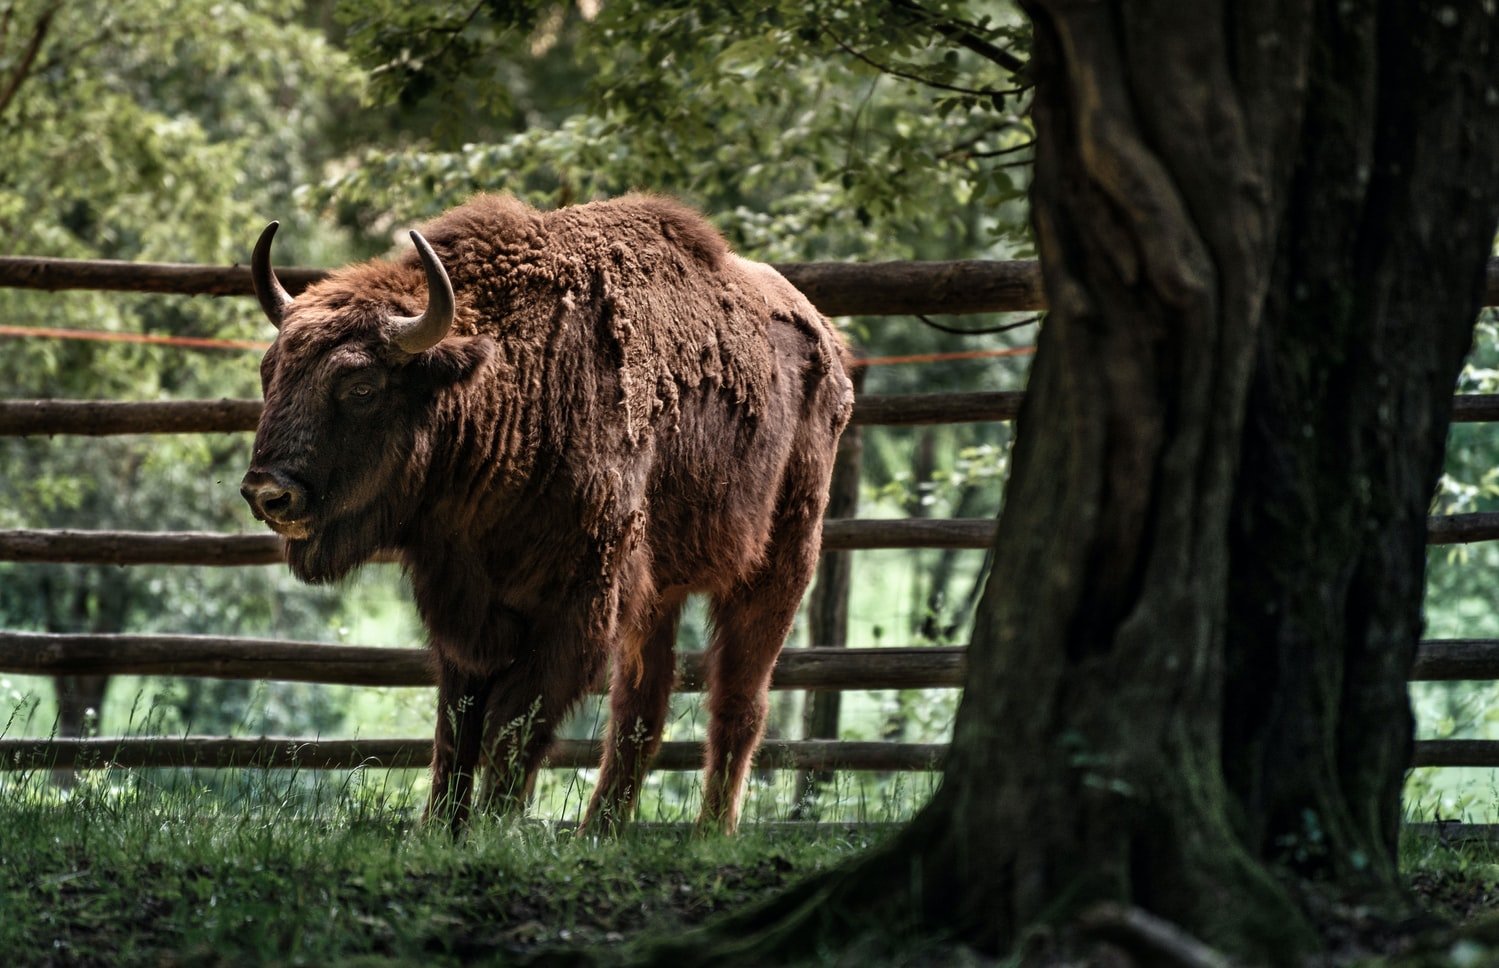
(837, 289)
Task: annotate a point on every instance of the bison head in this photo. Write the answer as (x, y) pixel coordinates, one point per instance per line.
(352, 389)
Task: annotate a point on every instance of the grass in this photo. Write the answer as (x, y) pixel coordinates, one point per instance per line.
(155, 867)
(114, 875)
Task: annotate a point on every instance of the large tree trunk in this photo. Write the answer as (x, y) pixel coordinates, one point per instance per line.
(1377, 281)
(1091, 764)
(1085, 760)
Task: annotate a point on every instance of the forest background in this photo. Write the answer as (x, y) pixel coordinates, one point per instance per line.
(172, 130)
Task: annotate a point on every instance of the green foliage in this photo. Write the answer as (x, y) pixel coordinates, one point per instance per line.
(775, 118)
(152, 130)
(1460, 578)
(1460, 582)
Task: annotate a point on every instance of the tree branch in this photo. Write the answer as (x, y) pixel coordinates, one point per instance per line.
(964, 37)
(965, 150)
(982, 331)
(38, 36)
(906, 75)
(1155, 939)
(457, 31)
(1003, 151)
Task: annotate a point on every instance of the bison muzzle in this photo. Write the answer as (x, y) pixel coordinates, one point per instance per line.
(562, 423)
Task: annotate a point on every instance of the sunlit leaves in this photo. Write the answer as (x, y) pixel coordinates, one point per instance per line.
(835, 120)
(151, 130)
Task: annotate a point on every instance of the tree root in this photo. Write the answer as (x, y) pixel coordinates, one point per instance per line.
(1151, 939)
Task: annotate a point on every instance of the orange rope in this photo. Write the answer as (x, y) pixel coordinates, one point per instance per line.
(204, 343)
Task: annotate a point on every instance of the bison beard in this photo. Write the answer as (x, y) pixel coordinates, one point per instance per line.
(563, 423)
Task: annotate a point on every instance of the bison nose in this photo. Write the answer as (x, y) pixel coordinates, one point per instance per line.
(274, 497)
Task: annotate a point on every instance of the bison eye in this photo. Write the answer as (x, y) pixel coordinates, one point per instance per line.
(362, 392)
(358, 390)
(359, 395)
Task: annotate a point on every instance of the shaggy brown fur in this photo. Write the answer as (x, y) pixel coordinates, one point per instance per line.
(624, 412)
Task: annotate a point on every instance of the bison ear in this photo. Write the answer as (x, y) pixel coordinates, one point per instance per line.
(456, 359)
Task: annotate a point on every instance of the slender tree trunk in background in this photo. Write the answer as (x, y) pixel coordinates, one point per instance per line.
(942, 615)
(923, 467)
(1130, 733)
(76, 697)
(79, 698)
(827, 606)
(1378, 278)
(99, 607)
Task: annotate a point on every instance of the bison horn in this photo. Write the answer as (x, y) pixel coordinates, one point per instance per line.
(414, 334)
(274, 300)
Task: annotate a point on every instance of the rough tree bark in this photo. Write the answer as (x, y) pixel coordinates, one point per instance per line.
(1378, 277)
(1181, 181)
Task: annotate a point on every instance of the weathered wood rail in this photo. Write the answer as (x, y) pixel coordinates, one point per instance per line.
(224, 657)
(219, 657)
(216, 752)
(98, 418)
(839, 534)
(835, 288)
(300, 753)
(883, 668)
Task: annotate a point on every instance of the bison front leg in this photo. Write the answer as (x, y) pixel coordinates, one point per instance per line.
(461, 699)
(527, 704)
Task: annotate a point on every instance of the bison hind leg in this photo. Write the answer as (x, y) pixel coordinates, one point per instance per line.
(752, 619)
(751, 622)
(639, 697)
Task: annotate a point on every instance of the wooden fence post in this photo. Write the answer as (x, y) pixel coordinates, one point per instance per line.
(827, 607)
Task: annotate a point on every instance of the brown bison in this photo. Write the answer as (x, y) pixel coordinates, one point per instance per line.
(562, 423)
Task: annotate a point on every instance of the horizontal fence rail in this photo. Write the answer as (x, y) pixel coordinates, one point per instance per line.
(1456, 752)
(140, 548)
(1446, 529)
(103, 418)
(292, 752)
(839, 534)
(835, 288)
(903, 668)
(98, 418)
(914, 667)
(215, 752)
(221, 657)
